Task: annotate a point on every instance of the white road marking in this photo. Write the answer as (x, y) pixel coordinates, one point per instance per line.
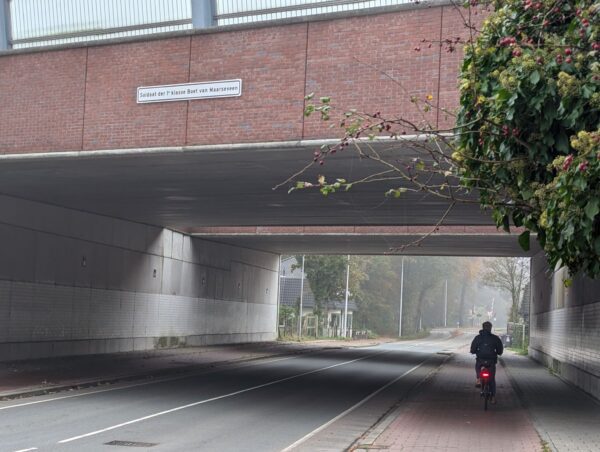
(27, 450)
(349, 410)
(201, 402)
(154, 381)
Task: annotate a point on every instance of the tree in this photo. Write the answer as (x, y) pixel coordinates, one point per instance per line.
(327, 277)
(529, 124)
(527, 133)
(423, 300)
(378, 304)
(510, 275)
(469, 271)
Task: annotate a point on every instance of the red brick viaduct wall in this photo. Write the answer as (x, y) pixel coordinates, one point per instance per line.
(81, 99)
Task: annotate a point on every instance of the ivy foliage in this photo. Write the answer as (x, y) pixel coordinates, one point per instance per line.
(529, 125)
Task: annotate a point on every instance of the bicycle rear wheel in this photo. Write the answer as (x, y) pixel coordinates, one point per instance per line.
(486, 395)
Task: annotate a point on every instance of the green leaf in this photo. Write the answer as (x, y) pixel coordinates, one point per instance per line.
(309, 110)
(562, 142)
(325, 100)
(580, 183)
(503, 94)
(518, 219)
(586, 91)
(534, 77)
(510, 114)
(505, 223)
(420, 165)
(541, 236)
(592, 208)
(396, 193)
(524, 240)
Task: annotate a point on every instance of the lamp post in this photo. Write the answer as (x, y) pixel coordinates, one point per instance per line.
(301, 296)
(401, 298)
(446, 305)
(345, 321)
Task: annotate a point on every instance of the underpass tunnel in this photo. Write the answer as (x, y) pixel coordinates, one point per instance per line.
(127, 227)
(75, 282)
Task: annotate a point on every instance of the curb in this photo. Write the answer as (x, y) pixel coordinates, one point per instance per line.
(368, 438)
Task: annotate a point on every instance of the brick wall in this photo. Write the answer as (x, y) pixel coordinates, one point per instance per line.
(77, 283)
(567, 338)
(84, 98)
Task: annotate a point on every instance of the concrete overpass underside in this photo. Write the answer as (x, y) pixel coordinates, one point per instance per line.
(141, 249)
(226, 194)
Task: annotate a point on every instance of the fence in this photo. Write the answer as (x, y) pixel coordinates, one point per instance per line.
(229, 12)
(31, 23)
(49, 22)
(519, 333)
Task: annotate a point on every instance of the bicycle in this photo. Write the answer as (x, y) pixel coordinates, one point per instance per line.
(486, 391)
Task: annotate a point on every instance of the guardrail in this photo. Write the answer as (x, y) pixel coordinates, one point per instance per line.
(31, 23)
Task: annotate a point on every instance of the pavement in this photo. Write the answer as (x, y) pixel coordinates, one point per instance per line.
(263, 405)
(446, 413)
(435, 406)
(566, 418)
(535, 411)
(28, 378)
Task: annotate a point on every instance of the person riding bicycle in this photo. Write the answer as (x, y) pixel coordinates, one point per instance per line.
(487, 347)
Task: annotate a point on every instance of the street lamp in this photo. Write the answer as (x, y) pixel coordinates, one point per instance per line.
(401, 298)
(345, 322)
(301, 295)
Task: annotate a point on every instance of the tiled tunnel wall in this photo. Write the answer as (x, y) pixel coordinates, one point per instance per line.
(565, 325)
(78, 283)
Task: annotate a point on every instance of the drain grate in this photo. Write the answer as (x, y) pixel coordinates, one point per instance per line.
(130, 444)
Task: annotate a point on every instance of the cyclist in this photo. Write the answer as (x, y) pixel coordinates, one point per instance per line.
(487, 347)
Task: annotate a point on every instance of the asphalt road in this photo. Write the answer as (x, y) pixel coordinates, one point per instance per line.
(265, 405)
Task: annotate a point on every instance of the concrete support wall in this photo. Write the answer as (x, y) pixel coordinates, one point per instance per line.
(565, 326)
(77, 283)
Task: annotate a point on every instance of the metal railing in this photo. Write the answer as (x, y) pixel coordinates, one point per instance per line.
(230, 12)
(31, 23)
(48, 22)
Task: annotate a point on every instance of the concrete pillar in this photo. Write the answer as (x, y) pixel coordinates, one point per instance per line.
(4, 25)
(203, 12)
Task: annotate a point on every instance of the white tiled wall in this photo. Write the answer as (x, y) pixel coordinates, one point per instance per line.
(72, 282)
(567, 339)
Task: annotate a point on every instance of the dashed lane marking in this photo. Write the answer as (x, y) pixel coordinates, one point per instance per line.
(201, 402)
(349, 410)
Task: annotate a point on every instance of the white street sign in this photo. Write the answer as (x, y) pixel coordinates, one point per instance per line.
(189, 91)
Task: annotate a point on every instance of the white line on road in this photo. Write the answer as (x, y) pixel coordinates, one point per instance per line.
(189, 405)
(26, 450)
(154, 381)
(349, 410)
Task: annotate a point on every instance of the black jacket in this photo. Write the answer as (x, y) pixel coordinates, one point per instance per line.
(487, 346)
